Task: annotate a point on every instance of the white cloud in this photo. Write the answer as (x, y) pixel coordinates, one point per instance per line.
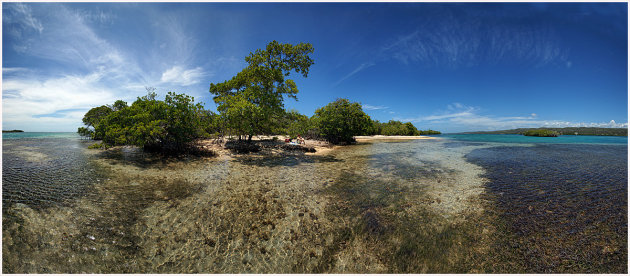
(464, 117)
(11, 70)
(611, 124)
(88, 70)
(459, 41)
(23, 15)
(29, 99)
(177, 75)
(374, 107)
(446, 116)
(97, 16)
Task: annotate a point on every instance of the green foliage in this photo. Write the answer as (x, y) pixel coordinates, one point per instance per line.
(296, 124)
(253, 99)
(118, 105)
(141, 124)
(85, 132)
(340, 120)
(182, 119)
(410, 129)
(429, 132)
(398, 128)
(210, 123)
(96, 146)
(395, 128)
(93, 119)
(375, 128)
(167, 125)
(541, 133)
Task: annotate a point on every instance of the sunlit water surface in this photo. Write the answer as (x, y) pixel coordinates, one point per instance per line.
(444, 205)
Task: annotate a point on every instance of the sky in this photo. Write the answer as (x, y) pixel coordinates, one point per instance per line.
(450, 67)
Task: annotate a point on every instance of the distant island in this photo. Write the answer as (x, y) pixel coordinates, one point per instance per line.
(541, 133)
(15, 130)
(594, 131)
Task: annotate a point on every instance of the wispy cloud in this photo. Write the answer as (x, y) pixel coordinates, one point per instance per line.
(97, 16)
(450, 41)
(88, 69)
(374, 107)
(178, 75)
(360, 68)
(22, 14)
(12, 70)
(455, 110)
(459, 116)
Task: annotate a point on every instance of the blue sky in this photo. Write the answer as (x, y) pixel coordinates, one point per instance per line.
(445, 66)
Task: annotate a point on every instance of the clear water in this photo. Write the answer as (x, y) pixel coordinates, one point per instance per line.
(45, 170)
(458, 204)
(514, 138)
(23, 135)
(561, 205)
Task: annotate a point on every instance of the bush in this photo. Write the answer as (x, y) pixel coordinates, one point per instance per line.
(96, 146)
(340, 120)
(429, 132)
(168, 125)
(541, 133)
(85, 132)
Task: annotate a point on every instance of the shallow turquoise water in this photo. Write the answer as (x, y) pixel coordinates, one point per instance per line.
(20, 135)
(562, 205)
(515, 138)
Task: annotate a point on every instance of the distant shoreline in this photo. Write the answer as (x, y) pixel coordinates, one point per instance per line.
(579, 131)
(11, 131)
(392, 137)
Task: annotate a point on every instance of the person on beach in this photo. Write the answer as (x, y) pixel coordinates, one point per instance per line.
(300, 140)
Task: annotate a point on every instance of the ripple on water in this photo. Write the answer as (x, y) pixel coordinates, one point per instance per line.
(42, 172)
(378, 207)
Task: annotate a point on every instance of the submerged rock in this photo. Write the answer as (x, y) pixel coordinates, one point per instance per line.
(242, 146)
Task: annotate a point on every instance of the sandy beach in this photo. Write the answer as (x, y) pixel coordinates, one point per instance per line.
(321, 147)
(270, 147)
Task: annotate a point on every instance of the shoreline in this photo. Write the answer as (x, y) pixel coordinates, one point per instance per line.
(269, 147)
(321, 147)
(391, 137)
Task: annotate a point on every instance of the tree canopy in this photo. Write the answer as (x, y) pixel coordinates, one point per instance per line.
(167, 125)
(541, 133)
(93, 119)
(340, 120)
(252, 99)
(394, 127)
(250, 103)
